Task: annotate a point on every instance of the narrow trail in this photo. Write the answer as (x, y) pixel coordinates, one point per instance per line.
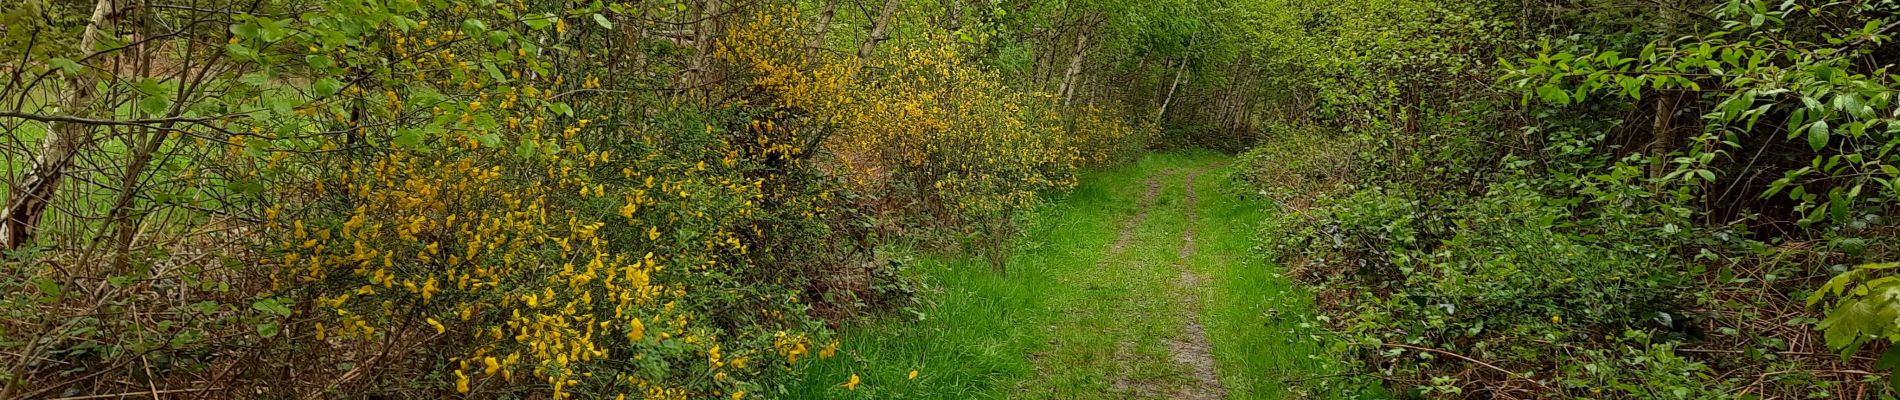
(1128, 227)
(1130, 327)
(1124, 236)
(1140, 285)
(1125, 348)
(1193, 349)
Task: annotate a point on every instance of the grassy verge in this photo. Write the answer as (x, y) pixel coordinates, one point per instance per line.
(1260, 322)
(978, 327)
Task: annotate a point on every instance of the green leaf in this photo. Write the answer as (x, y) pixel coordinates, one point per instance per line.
(1736, 105)
(319, 61)
(1838, 205)
(268, 329)
(326, 87)
(68, 66)
(154, 105)
(271, 305)
(273, 31)
(494, 72)
(487, 139)
(247, 30)
(424, 97)
(1852, 104)
(474, 27)
(241, 51)
(602, 20)
(408, 138)
(538, 22)
(1553, 95)
(50, 290)
(526, 149)
(1817, 135)
(280, 103)
(151, 87)
(1797, 120)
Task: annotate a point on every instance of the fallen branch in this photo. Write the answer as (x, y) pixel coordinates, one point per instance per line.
(1470, 360)
(139, 393)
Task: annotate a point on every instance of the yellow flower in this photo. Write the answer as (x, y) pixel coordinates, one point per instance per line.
(851, 384)
(1556, 319)
(438, 326)
(636, 331)
(461, 382)
(490, 366)
(913, 374)
(738, 395)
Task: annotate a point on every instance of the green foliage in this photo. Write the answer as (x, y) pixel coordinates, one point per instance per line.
(486, 198)
(1762, 63)
(1769, 69)
(1641, 184)
(1300, 165)
(1865, 308)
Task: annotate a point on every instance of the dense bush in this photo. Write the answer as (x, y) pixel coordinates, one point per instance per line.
(425, 199)
(1639, 208)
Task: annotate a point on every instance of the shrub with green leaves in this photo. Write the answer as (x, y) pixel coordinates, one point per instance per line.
(1633, 203)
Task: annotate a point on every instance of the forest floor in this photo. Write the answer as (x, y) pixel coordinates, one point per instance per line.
(1138, 285)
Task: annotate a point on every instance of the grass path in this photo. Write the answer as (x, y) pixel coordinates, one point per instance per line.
(1138, 285)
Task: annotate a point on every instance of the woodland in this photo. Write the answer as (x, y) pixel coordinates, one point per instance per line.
(885, 199)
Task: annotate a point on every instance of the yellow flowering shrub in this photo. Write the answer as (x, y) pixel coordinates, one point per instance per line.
(927, 124)
(979, 153)
(517, 240)
(515, 199)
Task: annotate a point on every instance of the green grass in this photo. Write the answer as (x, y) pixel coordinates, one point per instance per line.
(1259, 321)
(978, 326)
(1112, 316)
(1073, 319)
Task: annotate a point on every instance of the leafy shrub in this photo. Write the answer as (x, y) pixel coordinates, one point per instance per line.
(1299, 164)
(501, 199)
(977, 154)
(1642, 224)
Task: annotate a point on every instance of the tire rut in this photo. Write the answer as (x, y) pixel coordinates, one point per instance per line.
(1123, 238)
(1127, 233)
(1193, 349)
(1124, 350)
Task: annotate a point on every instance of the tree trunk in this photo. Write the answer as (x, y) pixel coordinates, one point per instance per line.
(1662, 138)
(35, 191)
(1075, 68)
(121, 213)
(700, 65)
(877, 29)
(824, 28)
(1178, 70)
(1238, 99)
